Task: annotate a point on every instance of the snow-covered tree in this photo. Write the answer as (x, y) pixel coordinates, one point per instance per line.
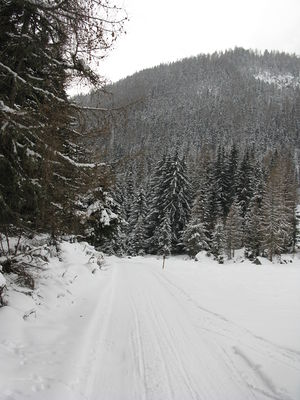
(195, 237)
(218, 244)
(244, 183)
(43, 45)
(233, 229)
(278, 208)
(137, 225)
(171, 196)
(163, 236)
(100, 220)
(253, 218)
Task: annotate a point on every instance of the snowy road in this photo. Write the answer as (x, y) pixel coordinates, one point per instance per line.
(133, 331)
(157, 342)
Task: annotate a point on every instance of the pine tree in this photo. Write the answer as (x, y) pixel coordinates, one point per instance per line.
(100, 220)
(222, 184)
(42, 46)
(218, 239)
(163, 236)
(195, 238)
(278, 207)
(253, 218)
(156, 212)
(138, 241)
(252, 231)
(233, 229)
(231, 172)
(137, 225)
(243, 183)
(171, 196)
(210, 200)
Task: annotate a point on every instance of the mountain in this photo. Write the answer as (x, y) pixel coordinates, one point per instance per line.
(237, 96)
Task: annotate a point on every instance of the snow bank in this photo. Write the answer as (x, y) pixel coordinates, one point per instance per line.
(44, 333)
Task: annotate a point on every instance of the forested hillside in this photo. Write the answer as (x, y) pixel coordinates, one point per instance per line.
(205, 153)
(239, 96)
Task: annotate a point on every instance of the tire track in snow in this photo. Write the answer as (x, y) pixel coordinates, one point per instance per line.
(104, 310)
(157, 379)
(194, 366)
(139, 350)
(258, 372)
(159, 322)
(236, 334)
(231, 330)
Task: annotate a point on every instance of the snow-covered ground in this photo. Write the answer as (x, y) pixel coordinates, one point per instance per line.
(195, 330)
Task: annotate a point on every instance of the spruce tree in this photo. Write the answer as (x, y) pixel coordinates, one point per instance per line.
(163, 236)
(195, 237)
(243, 182)
(42, 47)
(253, 218)
(233, 229)
(218, 239)
(222, 183)
(278, 207)
(171, 196)
(231, 171)
(137, 225)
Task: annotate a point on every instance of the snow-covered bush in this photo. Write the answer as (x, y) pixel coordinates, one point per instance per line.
(100, 220)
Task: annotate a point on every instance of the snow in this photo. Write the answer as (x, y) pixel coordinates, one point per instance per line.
(130, 330)
(2, 281)
(77, 164)
(107, 216)
(5, 108)
(31, 153)
(279, 80)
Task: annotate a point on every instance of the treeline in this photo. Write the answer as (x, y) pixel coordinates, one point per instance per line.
(222, 201)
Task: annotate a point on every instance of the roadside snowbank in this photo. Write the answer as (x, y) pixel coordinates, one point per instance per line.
(43, 333)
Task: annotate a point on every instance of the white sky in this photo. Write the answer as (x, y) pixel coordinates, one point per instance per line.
(167, 30)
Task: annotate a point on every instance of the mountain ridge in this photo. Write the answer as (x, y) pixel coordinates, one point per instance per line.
(237, 96)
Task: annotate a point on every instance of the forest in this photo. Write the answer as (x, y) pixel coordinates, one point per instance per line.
(200, 154)
(205, 155)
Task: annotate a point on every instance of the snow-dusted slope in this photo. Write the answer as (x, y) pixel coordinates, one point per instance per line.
(195, 330)
(279, 80)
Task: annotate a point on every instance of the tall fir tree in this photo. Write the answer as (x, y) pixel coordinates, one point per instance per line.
(163, 236)
(233, 229)
(218, 239)
(171, 195)
(42, 47)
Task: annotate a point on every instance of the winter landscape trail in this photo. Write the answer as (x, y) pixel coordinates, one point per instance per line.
(133, 331)
(157, 342)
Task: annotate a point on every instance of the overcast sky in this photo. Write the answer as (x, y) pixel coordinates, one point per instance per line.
(167, 30)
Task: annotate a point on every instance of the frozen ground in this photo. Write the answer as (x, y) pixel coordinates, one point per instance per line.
(195, 330)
